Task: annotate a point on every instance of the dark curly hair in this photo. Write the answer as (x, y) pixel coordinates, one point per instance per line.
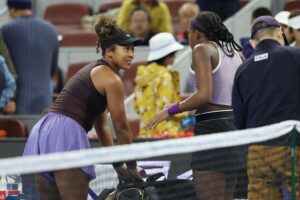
(106, 29)
(217, 32)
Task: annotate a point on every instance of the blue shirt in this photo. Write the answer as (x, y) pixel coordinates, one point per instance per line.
(9, 87)
(267, 86)
(33, 46)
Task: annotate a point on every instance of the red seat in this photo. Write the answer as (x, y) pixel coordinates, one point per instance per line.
(66, 13)
(109, 5)
(74, 68)
(13, 128)
(243, 2)
(129, 76)
(291, 5)
(79, 38)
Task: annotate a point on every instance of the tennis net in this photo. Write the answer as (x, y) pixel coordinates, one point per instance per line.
(254, 163)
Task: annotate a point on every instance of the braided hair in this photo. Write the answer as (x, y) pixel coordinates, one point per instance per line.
(216, 31)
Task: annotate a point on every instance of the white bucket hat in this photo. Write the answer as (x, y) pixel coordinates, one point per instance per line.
(161, 45)
(294, 22)
(283, 17)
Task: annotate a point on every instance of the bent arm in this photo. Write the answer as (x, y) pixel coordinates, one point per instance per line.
(115, 101)
(109, 84)
(203, 72)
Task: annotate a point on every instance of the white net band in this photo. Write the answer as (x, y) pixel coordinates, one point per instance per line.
(58, 161)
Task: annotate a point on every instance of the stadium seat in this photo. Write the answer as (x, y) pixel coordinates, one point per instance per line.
(79, 38)
(74, 68)
(13, 128)
(67, 15)
(291, 5)
(109, 5)
(243, 2)
(129, 76)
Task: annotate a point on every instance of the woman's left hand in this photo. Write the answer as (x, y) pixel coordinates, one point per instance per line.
(159, 117)
(10, 107)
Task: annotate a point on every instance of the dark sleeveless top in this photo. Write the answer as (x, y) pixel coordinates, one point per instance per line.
(79, 99)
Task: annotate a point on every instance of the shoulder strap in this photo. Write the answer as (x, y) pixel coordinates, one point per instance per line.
(155, 177)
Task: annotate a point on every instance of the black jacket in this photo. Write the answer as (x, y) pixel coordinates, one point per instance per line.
(267, 86)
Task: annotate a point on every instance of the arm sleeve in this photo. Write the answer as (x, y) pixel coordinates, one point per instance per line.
(10, 85)
(239, 115)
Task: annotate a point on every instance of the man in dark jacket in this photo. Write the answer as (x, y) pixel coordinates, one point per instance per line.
(266, 91)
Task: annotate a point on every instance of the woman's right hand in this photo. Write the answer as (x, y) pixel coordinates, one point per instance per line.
(159, 117)
(123, 172)
(134, 173)
(128, 174)
(10, 107)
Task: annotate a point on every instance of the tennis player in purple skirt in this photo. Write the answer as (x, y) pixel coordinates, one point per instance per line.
(82, 104)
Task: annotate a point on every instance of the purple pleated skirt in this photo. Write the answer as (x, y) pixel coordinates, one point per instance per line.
(57, 133)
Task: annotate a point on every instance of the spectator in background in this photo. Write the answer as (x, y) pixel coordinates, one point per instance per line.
(139, 26)
(245, 42)
(6, 55)
(159, 12)
(33, 45)
(294, 23)
(8, 86)
(10, 106)
(186, 13)
(283, 18)
(224, 8)
(157, 86)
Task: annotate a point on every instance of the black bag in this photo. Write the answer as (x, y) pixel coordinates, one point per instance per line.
(131, 191)
(175, 190)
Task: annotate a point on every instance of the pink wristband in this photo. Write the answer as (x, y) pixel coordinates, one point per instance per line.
(173, 109)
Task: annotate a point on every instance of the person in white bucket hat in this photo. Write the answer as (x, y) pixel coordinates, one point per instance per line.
(294, 23)
(161, 45)
(283, 18)
(157, 86)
